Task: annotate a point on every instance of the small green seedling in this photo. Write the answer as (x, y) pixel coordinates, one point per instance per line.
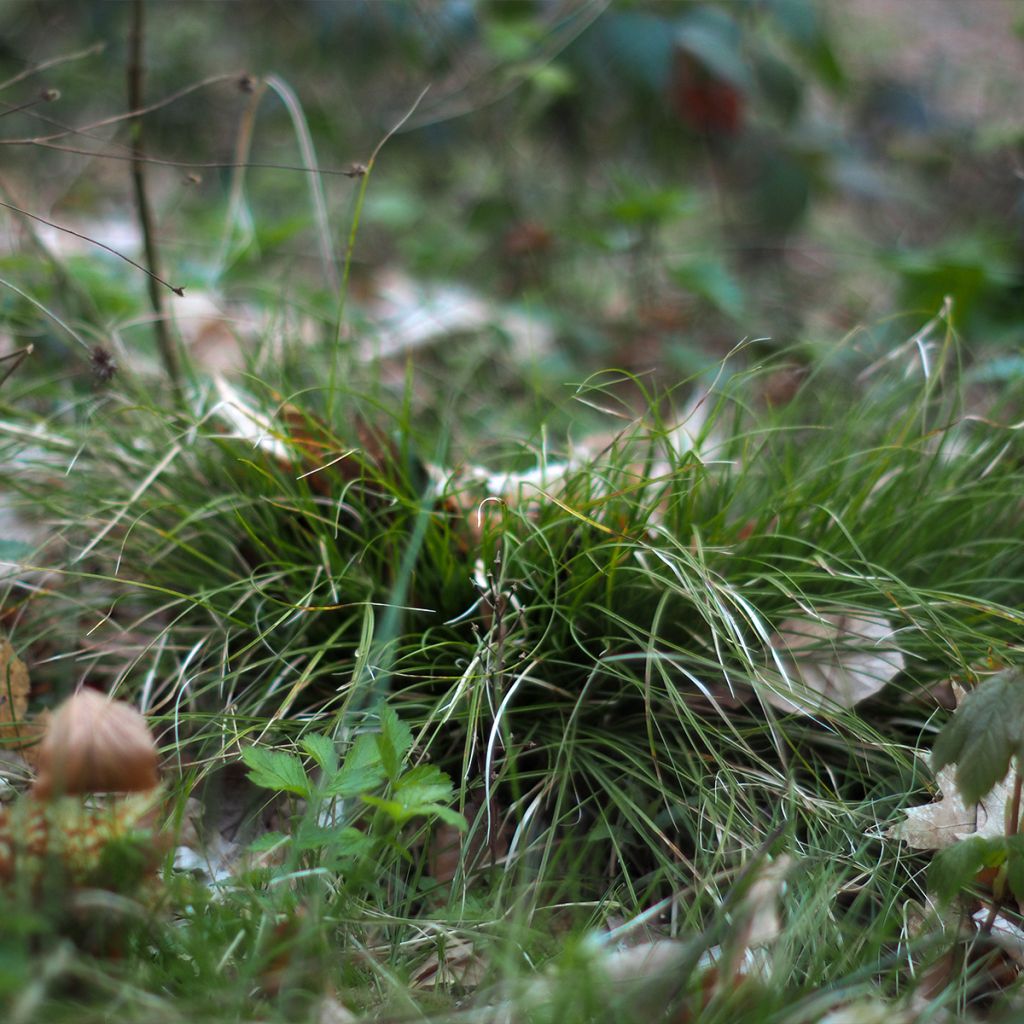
(372, 775)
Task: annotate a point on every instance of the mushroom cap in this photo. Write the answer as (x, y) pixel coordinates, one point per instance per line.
(95, 745)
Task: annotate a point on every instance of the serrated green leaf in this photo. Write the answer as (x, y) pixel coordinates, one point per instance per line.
(274, 769)
(364, 751)
(269, 841)
(401, 811)
(451, 817)
(417, 796)
(355, 779)
(394, 809)
(361, 771)
(955, 867)
(425, 783)
(394, 741)
(985, 732)
(340, 840)
(322, 750)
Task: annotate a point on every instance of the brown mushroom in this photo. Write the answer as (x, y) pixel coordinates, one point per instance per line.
(95, 745)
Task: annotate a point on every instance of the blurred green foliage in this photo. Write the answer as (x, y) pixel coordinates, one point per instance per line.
(666, 178)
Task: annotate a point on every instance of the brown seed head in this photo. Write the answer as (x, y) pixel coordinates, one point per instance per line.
(96, 745)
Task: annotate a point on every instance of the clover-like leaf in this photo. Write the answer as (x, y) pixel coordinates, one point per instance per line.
(985, 732)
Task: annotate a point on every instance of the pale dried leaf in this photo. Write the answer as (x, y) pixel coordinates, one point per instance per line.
(14, 690)
(331, 1011)
(250, 425)
(864, 1011)
(460, 965)
(1007, 935)
(210, 335)
(411, 315)
(945, 821)
(759, 908)
(217, 832)
(645, 962)
(838, 659)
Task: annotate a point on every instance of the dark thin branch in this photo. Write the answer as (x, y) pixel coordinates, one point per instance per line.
(19, 357)
(89, 51)
(46, 96)
(352, 171)
(165, 343)
(67, 284)
(95, 241)
(105, 122)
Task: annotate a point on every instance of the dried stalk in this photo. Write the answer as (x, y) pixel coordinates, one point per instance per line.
(165, 343)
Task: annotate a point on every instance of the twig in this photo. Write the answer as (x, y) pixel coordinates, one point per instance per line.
(89, 51)
(67, 285)
(97, 242)
(352, 171)
(46, 96)
(165, 343)
(364, 173)
(129, 115)
(18, 358)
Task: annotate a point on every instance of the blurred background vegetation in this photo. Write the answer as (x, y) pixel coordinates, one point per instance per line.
(642, 184)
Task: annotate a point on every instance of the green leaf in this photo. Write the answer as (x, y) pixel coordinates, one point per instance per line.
(645, 206)
(269, 841)
(355, 780)
(273, 769)
(712, 281)
(714, 37)
(401, 811)
(322, 750)
(363, 752)
(986, 731)
(14, 550)
(424, 784)
(1015, 865)
(362, 770)
(342, 841)
(956, 867)
(394, 742)
(802, 23)
(450, 817)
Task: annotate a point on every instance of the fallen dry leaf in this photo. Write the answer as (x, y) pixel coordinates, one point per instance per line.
(210, 335)
(460, 965)
(840, 659)
(1006, 934)
(946, 820)
(14, 689)
(758, 912)
(332, 1011)
(865, 1011)
(410, 315)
